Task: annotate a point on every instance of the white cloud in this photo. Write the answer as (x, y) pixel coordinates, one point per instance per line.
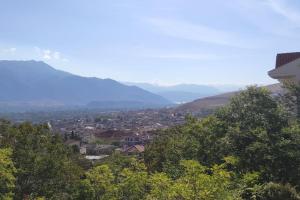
(186, 56)
(11, 50)
(65, 60)
(281, 7)
(277, 17)
(56, 55)
(48, 54)
(195, 32)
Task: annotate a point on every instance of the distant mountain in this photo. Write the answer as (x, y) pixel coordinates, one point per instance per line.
(36, 84)
(181, 93)
(216, 101)
(179, 97)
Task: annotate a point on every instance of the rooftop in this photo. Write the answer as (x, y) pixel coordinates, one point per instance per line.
(284, 58)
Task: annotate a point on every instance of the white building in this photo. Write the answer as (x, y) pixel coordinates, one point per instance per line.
(82, 150)
(287, 67)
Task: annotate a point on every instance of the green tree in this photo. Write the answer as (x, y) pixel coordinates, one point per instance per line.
(98, 183)
(254, 108)
(43, 163)
(291, 98)
(132, 184)
(260, 135)
(117, 162)
(200, 140)
(133, 181)
(160, 187)
(275, 191)
(7, 172)
(254, 127)
(200, 182)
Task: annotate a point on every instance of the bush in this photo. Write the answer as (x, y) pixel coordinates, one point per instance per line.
(276, 191)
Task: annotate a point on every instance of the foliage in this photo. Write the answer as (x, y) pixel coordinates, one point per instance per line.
(98, 183)
(132, 184)
(195, 182)
(249, 149)
(43, 163)
(200, 182)
(275, 191)
(254, 108)
(291, 98)
(160, 187)
(7, 178)
(254, 128)
(197, 140)
(260, 136)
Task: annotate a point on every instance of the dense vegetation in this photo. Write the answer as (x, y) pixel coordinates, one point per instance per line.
(249, 149)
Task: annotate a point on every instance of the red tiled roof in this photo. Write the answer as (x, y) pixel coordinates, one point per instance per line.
(140, 148)
(136, 148)
(284, 58)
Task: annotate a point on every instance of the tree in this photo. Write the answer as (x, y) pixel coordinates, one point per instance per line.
(117, 162)
(260, 135)
(254, 108)
(43, 163)
(286, 155)
(132, 185)
(275, 191)
(160, 187)
(7, 172)
(200, 182)
(196, 140)
(291, 98)
(98, 183)
(254, 127)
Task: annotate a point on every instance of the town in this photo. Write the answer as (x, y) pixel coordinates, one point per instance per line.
(97, 135)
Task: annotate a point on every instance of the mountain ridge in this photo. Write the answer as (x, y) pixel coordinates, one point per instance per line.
(183, 93)
(213, 102)
(35, 81)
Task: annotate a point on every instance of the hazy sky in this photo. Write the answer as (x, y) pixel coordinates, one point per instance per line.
(157, 41)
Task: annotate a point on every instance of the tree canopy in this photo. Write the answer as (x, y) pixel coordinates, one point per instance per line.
(249, 149)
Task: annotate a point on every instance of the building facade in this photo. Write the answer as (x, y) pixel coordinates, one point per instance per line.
(287, 68)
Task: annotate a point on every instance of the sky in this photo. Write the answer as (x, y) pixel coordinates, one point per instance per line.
(156, 41)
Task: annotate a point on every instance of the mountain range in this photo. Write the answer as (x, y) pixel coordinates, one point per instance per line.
(33, 84)
(183, 93)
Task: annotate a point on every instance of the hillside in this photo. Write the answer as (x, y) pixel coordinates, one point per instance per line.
(38, 84)
(180, 93)
(216, 101)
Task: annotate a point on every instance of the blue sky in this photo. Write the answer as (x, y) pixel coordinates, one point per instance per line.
(156, 41)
